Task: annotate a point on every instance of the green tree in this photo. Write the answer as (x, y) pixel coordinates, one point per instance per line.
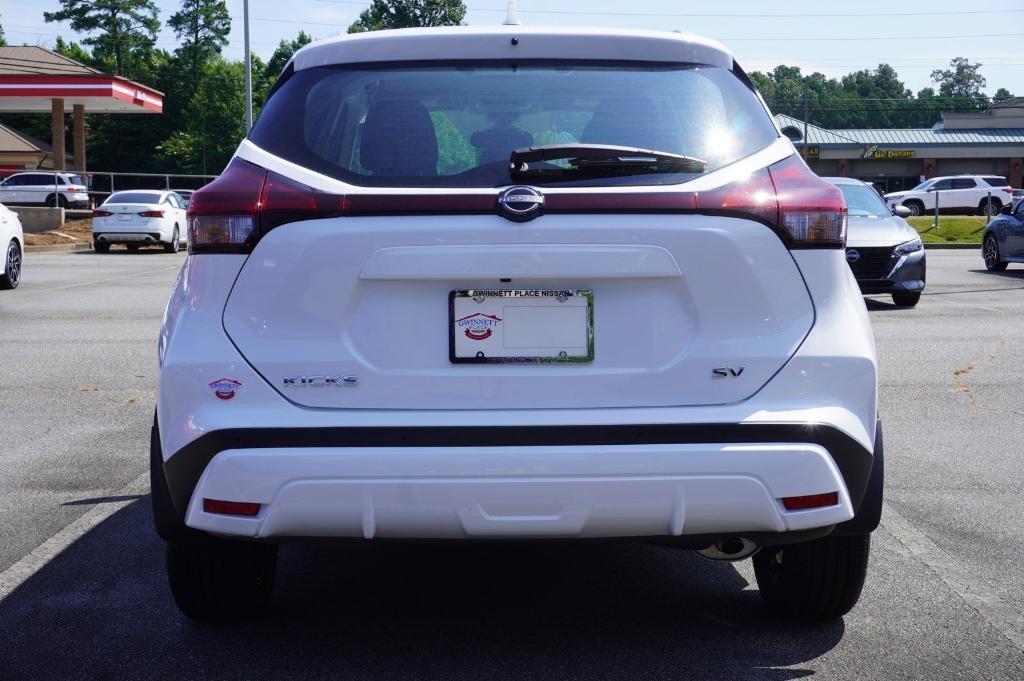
(962, 80)
(3, 40)
(125, 27)
(382, 14)
(203, 27)
(1002, 94)
(286, 49)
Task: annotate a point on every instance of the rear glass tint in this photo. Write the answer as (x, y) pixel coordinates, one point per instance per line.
(133, 197)
(996, 181)
(455, 125)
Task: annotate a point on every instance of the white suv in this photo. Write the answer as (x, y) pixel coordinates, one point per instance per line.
(64, 190)
(485, 283)
(966, 194)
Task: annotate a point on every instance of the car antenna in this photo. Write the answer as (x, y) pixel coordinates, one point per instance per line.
(512, 14)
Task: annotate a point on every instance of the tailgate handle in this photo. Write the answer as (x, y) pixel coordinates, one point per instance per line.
(531, 261)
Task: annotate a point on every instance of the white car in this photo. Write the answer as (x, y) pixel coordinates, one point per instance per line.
(139, 217)
(483, 283)
(12, 248)
(54, 189)
(961, 194)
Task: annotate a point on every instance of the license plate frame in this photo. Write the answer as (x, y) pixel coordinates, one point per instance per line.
(581, 355)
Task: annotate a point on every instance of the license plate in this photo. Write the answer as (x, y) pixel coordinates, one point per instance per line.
(525, 326)
(124, 216)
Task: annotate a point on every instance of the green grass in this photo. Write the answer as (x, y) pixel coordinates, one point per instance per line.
(955, 229)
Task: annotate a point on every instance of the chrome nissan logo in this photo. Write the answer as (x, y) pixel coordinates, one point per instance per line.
(852, 255)
(520, 203)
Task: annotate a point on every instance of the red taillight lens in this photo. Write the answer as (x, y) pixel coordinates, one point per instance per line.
(152, 213)
(811, 211)
(807, 211)
(231, 507)
(232, 212)
(101, 213)
(811, 501)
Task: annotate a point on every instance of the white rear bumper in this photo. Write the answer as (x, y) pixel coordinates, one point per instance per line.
(530, 491)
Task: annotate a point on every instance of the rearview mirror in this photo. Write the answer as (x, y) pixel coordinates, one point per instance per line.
(902, 212)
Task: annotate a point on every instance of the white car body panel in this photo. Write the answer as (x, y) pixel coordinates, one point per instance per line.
(952, 199)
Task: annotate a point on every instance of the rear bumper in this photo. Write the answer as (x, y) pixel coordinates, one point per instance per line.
(127, 237)
(534, 482)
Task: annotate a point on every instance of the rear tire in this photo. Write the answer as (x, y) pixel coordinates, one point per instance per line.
(916, 208)
(990, 252)
(906, 298)
(816, 580)
(173, 246)
(100, 247)
(983, 207)
(219, 580)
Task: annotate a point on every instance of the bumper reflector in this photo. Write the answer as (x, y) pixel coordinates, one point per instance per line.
(230, 507)
(811, 501)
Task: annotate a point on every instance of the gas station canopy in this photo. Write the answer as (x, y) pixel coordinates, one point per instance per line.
(35, 79)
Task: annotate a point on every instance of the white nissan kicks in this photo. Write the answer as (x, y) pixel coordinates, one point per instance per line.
(493, 283)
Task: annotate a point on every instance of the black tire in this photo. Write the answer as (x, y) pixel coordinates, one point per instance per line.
(983, 207)
(906, 298)
(173, 246)
(816, 580)
(132, 248)
(101, 246)
(916, 208)
(13, 260)
(56, 201)
(991, 255)
(221, 580)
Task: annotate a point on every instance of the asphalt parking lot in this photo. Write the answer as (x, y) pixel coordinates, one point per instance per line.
(83, 593)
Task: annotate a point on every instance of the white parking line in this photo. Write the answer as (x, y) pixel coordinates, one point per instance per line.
(970, 588)
(17, 574)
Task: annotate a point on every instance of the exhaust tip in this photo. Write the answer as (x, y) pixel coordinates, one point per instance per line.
(732, 549)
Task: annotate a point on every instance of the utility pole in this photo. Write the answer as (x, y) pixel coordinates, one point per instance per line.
(807, 114)
(248, 68)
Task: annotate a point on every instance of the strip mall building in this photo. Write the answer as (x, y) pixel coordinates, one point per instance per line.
(985, 143)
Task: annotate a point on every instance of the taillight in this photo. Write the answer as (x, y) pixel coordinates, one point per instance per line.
(101, 213)
(807, 211)
(152, 213)
(231, 213)
(811, 501)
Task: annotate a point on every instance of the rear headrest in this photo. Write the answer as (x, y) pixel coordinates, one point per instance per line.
(628, 121)
(398, 139)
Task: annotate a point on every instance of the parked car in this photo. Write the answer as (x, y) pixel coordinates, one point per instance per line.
(1003, 240)
(66, 190)
(884, 252)
(963, 194)
(12, 241)
(139, 218)
(649, 331)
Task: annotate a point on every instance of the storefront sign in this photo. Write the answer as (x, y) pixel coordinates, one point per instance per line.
(813, 153)
(883, 154)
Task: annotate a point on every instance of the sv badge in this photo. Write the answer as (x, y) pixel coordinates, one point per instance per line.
(727, 372)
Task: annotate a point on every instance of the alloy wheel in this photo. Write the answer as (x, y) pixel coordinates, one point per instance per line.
(13, 266)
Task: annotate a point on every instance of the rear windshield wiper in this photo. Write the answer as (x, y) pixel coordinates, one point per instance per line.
(602, 157)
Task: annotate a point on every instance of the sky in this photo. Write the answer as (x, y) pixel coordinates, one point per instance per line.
(914, 37)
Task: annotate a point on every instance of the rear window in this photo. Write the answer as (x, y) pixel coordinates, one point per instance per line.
(455, 125)
(133, 197)
(75, 179)
(996, 181)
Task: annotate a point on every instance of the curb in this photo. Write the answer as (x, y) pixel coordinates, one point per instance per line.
(58, 248)
(976, 247)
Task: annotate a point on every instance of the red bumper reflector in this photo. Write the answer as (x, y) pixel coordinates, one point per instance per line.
(230, 507)
(811, 501)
